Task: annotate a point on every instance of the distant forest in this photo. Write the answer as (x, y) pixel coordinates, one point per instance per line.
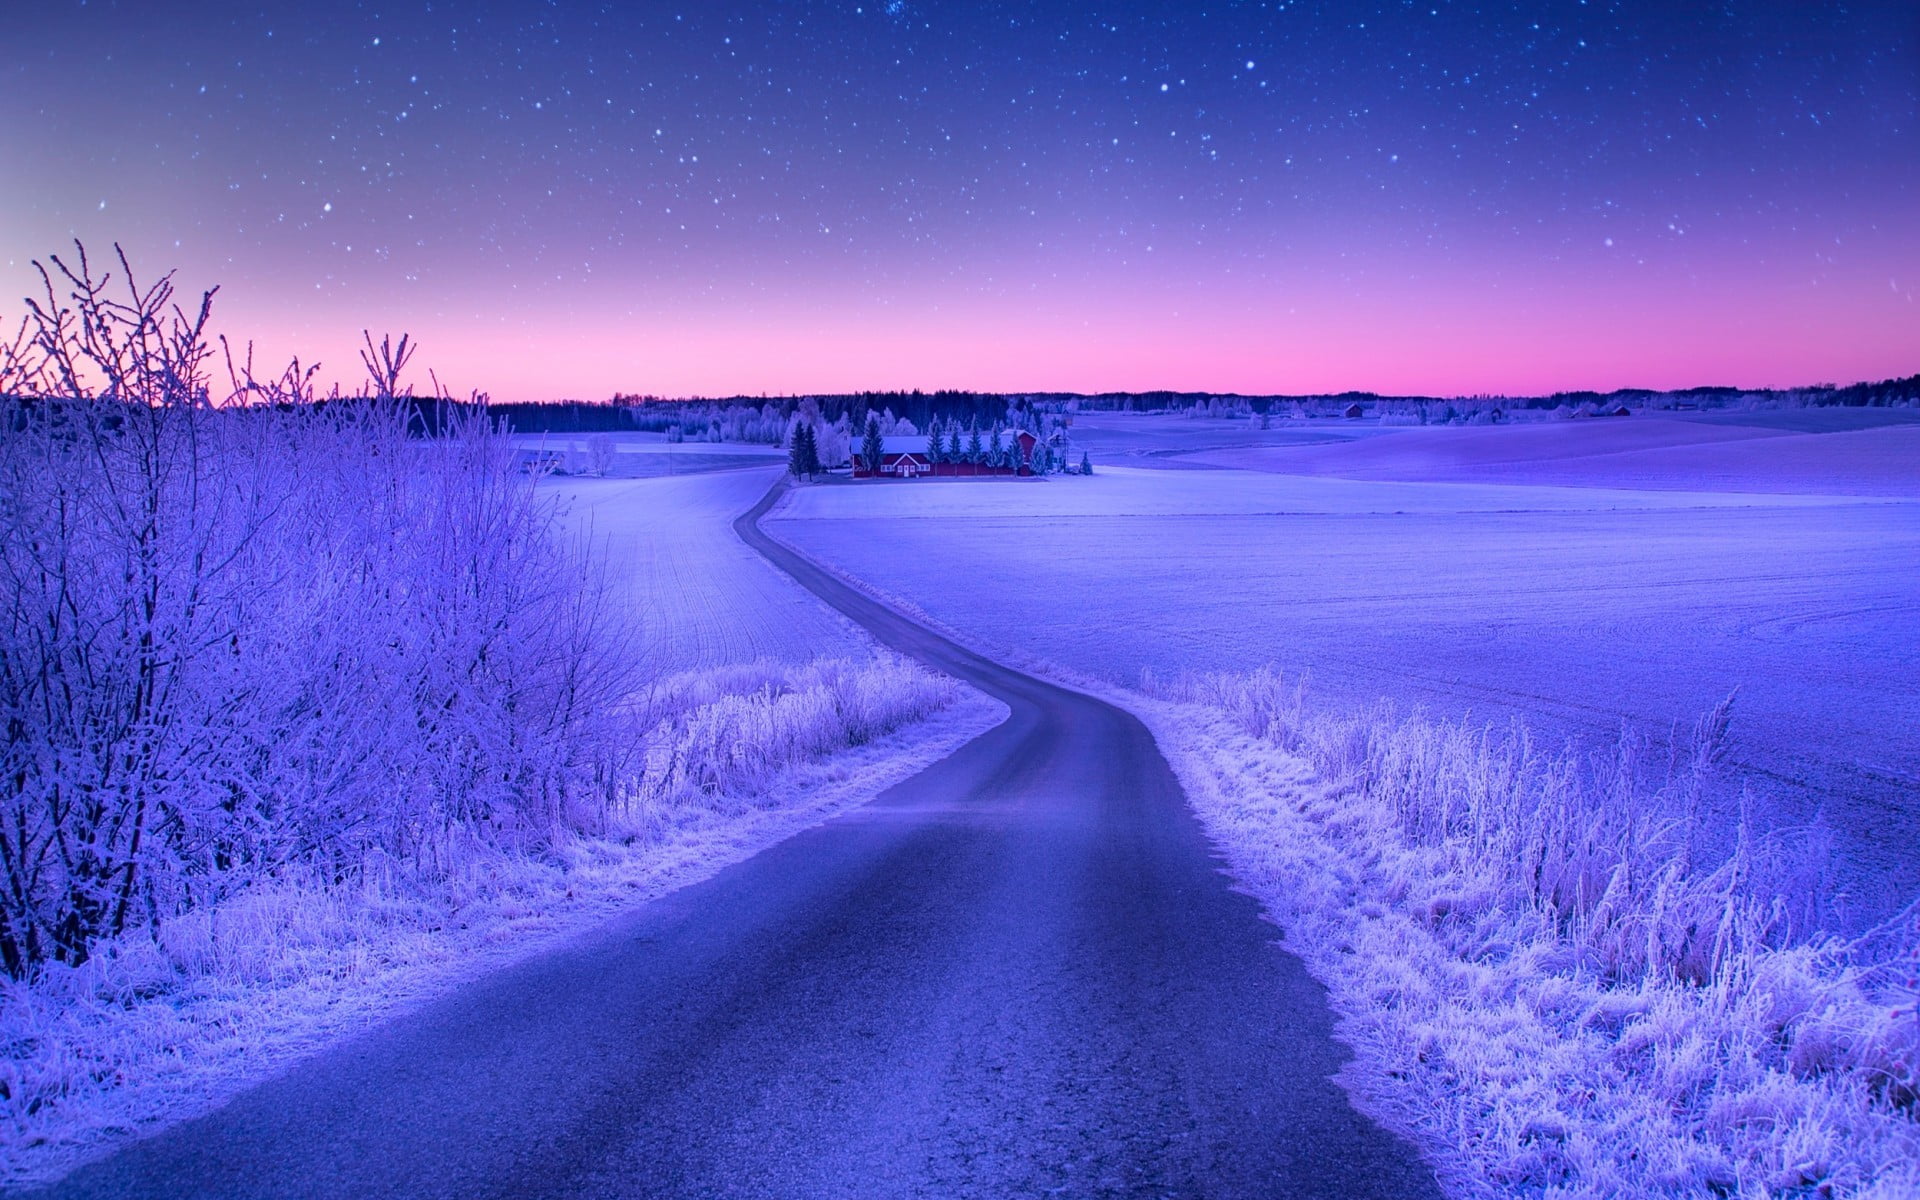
(767, 419)
(770, 419)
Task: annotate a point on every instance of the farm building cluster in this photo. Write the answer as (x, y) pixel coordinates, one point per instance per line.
(948, 452)
(914, 457)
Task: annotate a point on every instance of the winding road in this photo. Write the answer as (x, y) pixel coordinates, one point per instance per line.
(1018, 974)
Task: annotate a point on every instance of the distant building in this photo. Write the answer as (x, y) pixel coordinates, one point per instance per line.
(1620, 411)
(1355, 412)
(906, 458)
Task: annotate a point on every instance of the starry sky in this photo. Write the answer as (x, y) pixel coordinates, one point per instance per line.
(568, 200)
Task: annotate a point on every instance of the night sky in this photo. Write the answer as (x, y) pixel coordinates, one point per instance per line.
(558, 200)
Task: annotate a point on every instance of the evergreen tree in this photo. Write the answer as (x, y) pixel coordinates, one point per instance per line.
(797, 449)
(871, 447)
(976, 452)
(1086, 464)
(953, 441)
(803, 453)
(934, 444)
(997, 450)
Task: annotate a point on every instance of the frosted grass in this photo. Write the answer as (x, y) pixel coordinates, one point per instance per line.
(165, 1022)
(1560, 977)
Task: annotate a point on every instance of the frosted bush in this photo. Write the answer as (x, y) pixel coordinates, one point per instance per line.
(266, 635)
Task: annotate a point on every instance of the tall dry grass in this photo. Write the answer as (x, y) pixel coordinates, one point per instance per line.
(1593, 971)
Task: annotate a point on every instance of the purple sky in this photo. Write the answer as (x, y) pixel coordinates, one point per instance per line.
(796, 196)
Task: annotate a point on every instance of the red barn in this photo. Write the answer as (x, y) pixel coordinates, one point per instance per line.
(900, 458)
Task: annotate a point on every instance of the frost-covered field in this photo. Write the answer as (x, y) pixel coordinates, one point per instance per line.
(692, 594)
(1848, 452)
(640, 455)
(1585, 972)
(1576, 608)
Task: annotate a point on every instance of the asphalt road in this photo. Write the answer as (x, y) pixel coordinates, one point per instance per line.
(1018, 974)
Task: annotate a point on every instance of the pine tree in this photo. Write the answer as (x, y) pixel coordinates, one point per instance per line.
(976, 452)
(953, 441)
(997, 450)
(872, 448)
(803, 455)
(935, 451)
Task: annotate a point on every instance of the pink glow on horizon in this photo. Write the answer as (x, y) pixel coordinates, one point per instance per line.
(1571, 338)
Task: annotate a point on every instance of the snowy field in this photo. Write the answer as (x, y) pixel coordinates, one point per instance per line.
(1159, 440)
(1546, 572)
(642, 455)
(1848, 452)
(692, 593)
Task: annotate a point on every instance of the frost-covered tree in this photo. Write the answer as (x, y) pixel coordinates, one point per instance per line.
(997, 449)
(602, 453)
(832, 442)
(936, 446)
(953, 451)
(976, 450)
(872, 447)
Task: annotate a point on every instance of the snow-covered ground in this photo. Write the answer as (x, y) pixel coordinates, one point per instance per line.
(1146, 492)
(693, 593)
(1576, 608)
(642, 455)
(1848, 452)
(1138, 439)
